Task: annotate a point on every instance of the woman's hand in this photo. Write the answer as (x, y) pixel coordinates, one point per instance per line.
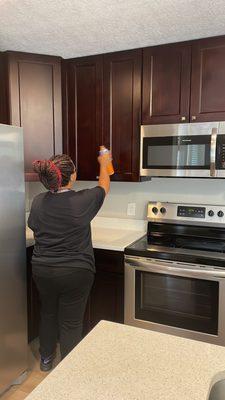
(105, 159)
(104, 179)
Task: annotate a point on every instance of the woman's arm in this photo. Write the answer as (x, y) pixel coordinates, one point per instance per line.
(104, 179)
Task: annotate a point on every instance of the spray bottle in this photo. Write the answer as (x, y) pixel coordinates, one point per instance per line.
(104, 150)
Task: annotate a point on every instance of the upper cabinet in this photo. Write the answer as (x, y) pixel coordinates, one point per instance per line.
(34, 102)
(166, 84)
(184, 82)
(103, 103)
(83, 128)
(208, 80)
(122, 111)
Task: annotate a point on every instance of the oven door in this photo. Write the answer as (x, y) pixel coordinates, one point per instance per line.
(187, 150)
(175, 298)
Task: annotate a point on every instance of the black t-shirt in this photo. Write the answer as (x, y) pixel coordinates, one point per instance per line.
(61, 226)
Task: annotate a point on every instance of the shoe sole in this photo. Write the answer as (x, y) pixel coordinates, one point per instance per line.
(46, 368)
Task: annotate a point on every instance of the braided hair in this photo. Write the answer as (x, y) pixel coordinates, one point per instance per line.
(55, 172)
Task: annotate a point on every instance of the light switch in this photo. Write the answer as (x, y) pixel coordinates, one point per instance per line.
(131, 209)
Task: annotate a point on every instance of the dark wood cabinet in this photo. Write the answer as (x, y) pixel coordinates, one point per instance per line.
(83, 129)
(107, 286)
(106, 300)
(166, 84)
(122, 111)
(208, 80)
(184, 82)
(107, 295)
(33, 99)
(103, 101)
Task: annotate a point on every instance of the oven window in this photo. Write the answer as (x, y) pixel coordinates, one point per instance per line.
(189, 152)
(181, 302)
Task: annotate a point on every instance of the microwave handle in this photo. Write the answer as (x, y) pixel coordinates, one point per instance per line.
(213, 152)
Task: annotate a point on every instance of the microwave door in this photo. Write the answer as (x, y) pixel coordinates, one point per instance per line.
(189, 155)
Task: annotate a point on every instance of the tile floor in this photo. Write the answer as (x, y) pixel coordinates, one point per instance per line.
(35, 376)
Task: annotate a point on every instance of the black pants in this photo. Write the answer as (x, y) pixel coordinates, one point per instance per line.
(63, 302)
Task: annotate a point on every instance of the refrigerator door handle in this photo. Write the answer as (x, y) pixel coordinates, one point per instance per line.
(213, 153)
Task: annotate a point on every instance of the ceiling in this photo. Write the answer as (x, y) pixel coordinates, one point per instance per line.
(72, 28)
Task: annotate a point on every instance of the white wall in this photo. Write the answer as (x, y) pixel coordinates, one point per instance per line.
(173, 190)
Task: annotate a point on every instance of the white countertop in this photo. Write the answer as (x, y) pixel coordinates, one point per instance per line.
(119, 362)
(109, 233)
(29, 237)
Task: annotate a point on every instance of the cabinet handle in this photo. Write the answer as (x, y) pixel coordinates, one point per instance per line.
(183, 118)
(193, 117)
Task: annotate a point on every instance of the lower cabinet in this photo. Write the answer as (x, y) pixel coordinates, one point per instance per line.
(106, 300)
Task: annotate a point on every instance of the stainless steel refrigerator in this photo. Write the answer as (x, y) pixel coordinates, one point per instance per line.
(13, 303)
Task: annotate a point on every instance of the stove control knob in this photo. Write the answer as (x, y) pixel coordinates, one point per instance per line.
(163, 210)
(220, 213)
(211, 213)
(155, 210)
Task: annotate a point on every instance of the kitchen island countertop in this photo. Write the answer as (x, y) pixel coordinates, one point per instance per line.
(119, 362)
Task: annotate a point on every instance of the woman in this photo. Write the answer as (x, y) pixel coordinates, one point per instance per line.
(63, 259)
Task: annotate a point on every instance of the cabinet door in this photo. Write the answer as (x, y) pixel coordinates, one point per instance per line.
(208, 80)
(166, 84)
(84, 107)
(107, 298)
(35, 104)
(107, 295)
(121, 114)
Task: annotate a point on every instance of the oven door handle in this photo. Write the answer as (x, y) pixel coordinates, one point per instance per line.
(164, 267)
(213, 152)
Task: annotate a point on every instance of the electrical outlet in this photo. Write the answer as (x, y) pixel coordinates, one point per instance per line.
(131, 209)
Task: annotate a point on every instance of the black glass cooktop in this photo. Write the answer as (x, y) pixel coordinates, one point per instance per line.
(193, 244)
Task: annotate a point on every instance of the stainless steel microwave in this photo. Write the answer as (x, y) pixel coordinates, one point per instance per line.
(183, 150)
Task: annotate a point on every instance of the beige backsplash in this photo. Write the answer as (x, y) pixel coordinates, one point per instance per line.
(173, 190)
